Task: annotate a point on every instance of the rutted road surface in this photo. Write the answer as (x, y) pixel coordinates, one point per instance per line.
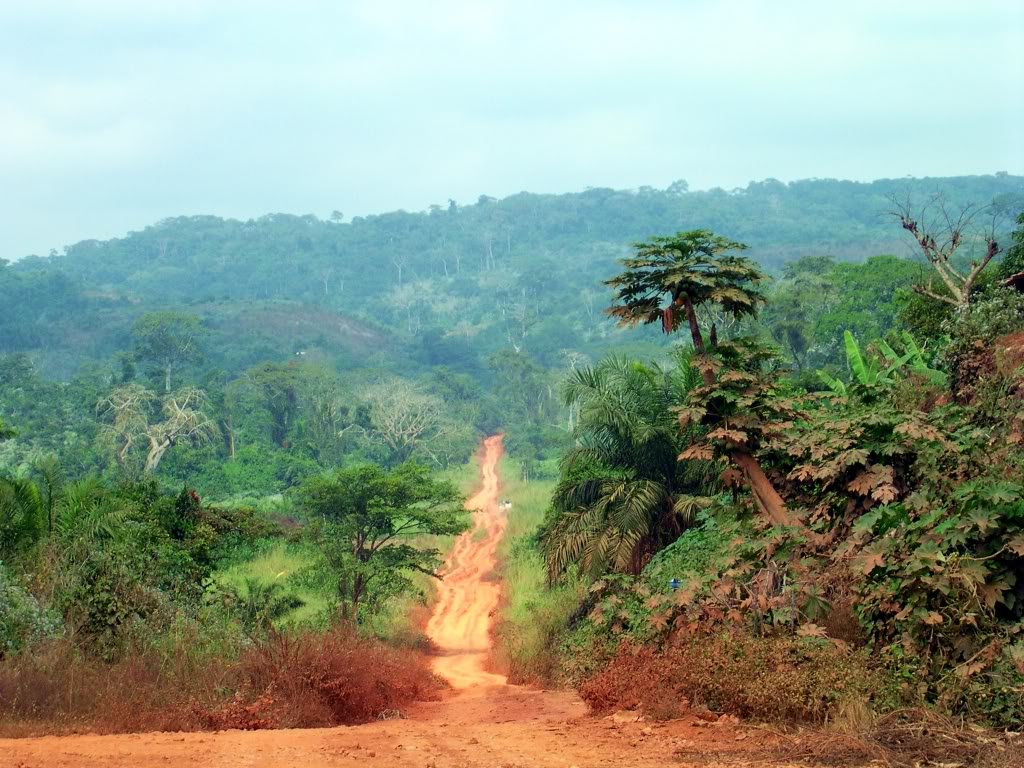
(468, 593)
(482, 721)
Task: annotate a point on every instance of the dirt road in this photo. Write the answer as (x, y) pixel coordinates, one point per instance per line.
(468, 593)
(482, 721)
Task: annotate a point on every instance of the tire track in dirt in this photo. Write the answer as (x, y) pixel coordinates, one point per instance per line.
(482, 723)
(460, 625)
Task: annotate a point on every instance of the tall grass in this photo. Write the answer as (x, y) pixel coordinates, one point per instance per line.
(294, 679)
(533, 617)
(294, 566)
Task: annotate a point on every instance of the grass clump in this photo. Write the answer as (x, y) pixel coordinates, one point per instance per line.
(294, 679)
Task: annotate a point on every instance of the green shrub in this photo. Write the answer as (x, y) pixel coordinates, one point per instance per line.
(23, 621)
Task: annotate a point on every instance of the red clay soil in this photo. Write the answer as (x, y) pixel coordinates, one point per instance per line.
(481, 721)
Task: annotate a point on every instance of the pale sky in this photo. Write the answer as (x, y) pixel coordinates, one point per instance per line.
(117, 113)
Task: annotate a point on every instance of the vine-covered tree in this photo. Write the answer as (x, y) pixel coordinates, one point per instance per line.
(277, 386)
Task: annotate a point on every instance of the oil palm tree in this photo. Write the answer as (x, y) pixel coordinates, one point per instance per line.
(21, 518)
(263, 603)
(45, 506)
(668, 280)
(623, 494)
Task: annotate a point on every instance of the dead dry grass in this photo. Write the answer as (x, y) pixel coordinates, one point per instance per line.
(291, 680)
(909, 738)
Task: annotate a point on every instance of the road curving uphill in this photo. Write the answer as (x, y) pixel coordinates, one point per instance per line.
(468, 595)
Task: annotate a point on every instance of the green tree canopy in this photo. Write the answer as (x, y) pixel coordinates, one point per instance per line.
(278, 386)
(366, 519)
(669, 277)
(169, 340)
(1013, 263)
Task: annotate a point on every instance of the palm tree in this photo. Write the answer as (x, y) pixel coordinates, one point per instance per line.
(264, 603)
(69, 515)
(668, 280)
(21, 516)
(623, 494)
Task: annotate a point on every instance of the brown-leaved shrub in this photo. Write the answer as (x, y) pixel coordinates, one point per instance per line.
(794, 679)
(338, 677)
(302, 679)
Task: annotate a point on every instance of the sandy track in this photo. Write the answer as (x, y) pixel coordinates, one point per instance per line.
(481, 722)
(468, 594)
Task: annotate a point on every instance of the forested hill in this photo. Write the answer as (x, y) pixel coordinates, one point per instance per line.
(303, 257)
(462, 280)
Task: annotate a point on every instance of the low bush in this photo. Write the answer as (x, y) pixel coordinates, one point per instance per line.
(23, 621)
(295, 680)
(57, 689)
(312, 680)
(790, 679)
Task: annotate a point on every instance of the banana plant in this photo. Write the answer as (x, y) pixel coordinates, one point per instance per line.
(868, 373)
(914, 360)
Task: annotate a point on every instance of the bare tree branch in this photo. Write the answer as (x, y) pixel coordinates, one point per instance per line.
(939, 243)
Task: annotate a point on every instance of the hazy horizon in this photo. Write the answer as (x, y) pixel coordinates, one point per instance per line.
(115, 116)
(469, 200)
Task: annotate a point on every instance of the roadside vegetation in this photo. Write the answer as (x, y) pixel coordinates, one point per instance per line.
(795, 499)
(127, 608)
(844, 548)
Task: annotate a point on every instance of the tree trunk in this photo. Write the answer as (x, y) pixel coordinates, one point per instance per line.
(768, 499)
(167, 379)
(358, 588)
(695, 334)
(156, 453)
(122, 453)
(228, 433)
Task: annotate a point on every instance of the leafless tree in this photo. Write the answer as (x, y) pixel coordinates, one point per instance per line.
(185, 420)
(403, 417)
(940, 233)
(127, 413)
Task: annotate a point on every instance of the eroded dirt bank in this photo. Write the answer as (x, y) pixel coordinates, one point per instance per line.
(482, 721)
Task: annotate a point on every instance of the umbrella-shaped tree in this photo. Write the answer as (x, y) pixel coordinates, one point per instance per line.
(668, 281)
